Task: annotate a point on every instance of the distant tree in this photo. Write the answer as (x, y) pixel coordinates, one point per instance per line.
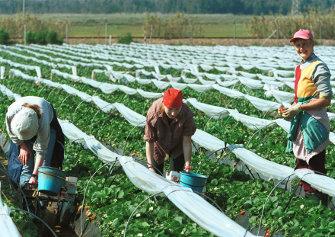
(256, 7)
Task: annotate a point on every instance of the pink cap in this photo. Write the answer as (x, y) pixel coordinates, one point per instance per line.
(302, 34)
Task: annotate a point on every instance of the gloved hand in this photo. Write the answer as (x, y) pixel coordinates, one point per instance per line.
(292, 111)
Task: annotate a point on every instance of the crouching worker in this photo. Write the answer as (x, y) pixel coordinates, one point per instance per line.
(36, 139)
(168, 131)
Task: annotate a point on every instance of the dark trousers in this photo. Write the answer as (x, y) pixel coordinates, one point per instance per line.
(58, 153)
(176, 164)
(20, 174)
(317, 164)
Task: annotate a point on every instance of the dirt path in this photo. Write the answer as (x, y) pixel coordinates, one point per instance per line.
(197, 41)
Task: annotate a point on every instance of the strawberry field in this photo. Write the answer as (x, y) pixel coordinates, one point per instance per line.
(104, 92)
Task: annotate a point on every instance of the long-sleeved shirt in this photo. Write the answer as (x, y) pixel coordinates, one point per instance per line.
(320, 76)
(321, 79)
(43, 135)
(167, 133)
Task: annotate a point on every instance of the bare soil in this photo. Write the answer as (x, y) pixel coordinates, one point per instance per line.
(197, 41)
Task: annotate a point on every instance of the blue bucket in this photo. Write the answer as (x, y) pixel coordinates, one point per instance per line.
(50, 180)
(196, 182)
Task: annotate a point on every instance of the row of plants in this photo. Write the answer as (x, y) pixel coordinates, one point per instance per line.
(221, 128)
(221, 100)
(219, 181)
(38, 37)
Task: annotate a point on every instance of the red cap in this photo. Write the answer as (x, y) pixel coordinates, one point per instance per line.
(302, 34)
(173, 98)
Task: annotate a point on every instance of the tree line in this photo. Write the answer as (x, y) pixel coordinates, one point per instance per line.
(254, 7)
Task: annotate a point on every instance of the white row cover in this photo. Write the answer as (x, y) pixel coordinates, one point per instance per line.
(217, 112)
(194, 206)
(43, 62)
(18, 65)
(139, 120)
(210, 110)
(265, 168)
(220, 57)
(74, 60)
(151, 64)
(176, 62)
(269, 82)
(260, 104)
(135, 118)
(7, 225)
(132, 117)
(107, 87)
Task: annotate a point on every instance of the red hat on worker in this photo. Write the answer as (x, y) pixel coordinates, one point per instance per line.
(173, 98)
(302, 34)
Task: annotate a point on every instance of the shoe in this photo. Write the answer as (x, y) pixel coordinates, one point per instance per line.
(307, 188)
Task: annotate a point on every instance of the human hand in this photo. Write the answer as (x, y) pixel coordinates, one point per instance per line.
(187, 168)
(33, 180)
(291, 112)
(24, 154)
(281, 110)
(151, 167)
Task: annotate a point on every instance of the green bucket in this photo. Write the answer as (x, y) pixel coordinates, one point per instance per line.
(196, 182)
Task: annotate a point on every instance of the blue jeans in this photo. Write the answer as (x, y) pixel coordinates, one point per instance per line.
(20, 174)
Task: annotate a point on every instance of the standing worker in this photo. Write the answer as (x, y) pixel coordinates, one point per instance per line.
(309, 132)
(34, 130)
(168, 131)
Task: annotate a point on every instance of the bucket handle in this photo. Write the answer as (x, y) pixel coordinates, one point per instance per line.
(52, 175)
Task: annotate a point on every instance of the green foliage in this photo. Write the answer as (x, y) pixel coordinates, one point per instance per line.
(43, 37)
(112, 196)
(14, 24)
(4, 37)
(164, 6)
(323, 25)
(171, 27)
(126, 39)
(52, 38)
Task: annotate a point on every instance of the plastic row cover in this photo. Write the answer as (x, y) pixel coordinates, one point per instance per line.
(177, 61)
(190, 203)
(202, 138)
(280, 96)
(194, 206)
(107, 87)
(248, 82)
(162, 85)
(267, 169)
(7, 225)
(132, 117)
(138, 120)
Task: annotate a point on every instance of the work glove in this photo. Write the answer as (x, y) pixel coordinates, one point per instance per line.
(292, 111)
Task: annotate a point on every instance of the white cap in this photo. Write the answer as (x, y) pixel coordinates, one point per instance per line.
(24, 124)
